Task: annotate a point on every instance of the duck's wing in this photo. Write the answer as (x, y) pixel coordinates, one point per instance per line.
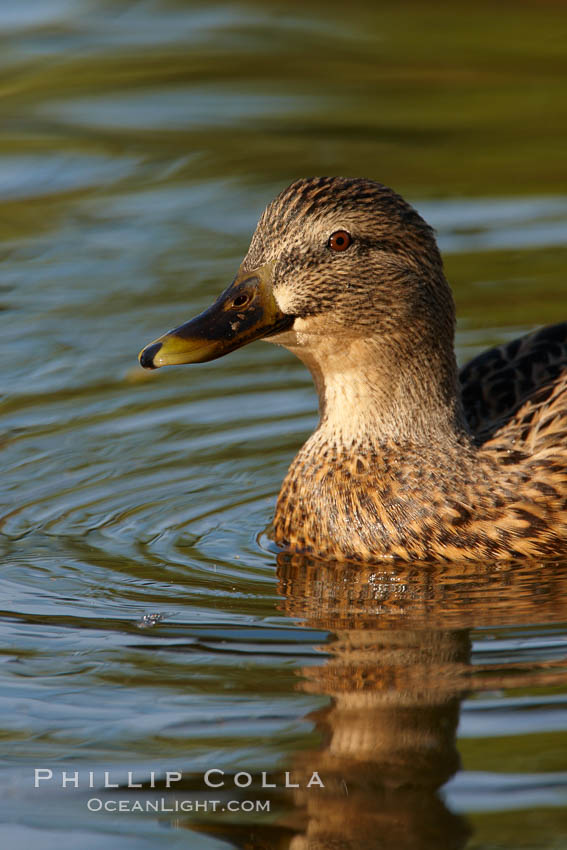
(510, 390)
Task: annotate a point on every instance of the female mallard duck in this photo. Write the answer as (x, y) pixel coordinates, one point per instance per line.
(410, 460)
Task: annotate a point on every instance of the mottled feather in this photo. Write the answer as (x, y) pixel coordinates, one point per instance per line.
(512, 385)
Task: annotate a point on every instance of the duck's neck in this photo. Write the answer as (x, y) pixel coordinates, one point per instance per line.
(371, 391)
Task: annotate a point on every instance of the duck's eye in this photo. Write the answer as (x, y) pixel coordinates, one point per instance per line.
(339, 240)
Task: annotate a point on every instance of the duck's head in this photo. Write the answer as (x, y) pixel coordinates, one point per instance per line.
(347, 275)
(331, 257)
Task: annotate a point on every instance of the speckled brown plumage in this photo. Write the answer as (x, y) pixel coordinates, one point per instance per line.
(504, 497)
(406, 463)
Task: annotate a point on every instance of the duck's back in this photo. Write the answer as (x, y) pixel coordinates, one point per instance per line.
(515, 395)
(515, 398)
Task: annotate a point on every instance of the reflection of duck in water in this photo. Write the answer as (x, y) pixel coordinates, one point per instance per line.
(404, 463)
(395, 670)
(388, 745)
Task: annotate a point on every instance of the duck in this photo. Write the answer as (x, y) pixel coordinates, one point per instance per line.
(412, 459)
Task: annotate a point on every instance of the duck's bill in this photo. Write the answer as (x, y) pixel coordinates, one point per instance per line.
(246, 311)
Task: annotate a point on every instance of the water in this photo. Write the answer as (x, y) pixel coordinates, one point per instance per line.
(146, 624)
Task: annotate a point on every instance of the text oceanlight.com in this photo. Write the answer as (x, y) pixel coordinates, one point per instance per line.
(162, 804)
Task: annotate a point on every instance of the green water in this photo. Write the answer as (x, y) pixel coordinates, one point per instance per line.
(146, 625)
